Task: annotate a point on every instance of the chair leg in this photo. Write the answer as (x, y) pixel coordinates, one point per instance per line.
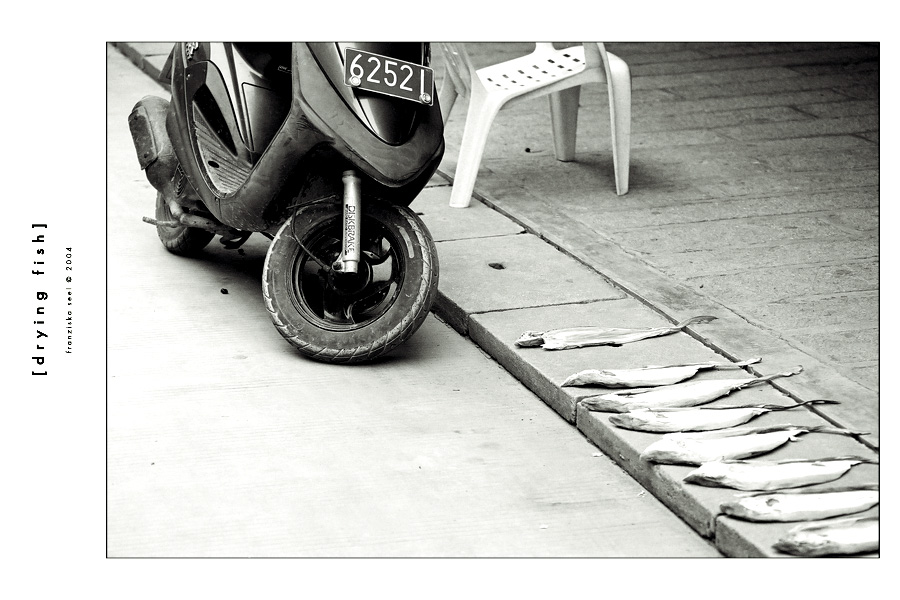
(479, 117)
(447, 96)
(564, 116)
(619, 84)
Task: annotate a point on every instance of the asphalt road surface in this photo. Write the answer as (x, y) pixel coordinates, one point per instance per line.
(222, 440)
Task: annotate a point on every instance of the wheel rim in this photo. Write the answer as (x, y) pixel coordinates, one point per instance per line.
(343, 301)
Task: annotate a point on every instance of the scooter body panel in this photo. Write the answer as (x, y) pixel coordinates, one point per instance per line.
(249, 129)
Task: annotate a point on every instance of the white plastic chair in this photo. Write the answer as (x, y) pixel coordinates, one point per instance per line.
(546, 71)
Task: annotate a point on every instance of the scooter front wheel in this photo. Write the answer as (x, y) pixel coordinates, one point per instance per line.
(339, 317)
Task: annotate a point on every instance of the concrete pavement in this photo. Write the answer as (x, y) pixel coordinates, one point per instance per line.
(222, 440)
(753, 198)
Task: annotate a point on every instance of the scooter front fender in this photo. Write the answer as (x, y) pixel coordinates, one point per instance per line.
(390, 165)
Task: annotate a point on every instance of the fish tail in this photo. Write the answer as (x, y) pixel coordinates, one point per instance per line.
(818, 402)
(850, 457)
(738, 365)
(695, 321)
(772, 428)
(795, 371)
(798, 405)
(868, 487)
(800, 429)
(836, 430)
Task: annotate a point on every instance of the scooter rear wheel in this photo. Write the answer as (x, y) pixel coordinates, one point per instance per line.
(181, 240)
(350, 318)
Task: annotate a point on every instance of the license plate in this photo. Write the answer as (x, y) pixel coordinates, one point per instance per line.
(390, 76)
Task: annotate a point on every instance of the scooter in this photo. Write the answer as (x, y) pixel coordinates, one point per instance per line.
(320, 147)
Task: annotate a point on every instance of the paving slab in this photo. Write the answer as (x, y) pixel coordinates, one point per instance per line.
(758, 82)
(747, 232)
(149, 56)
(648, 107)
(804, 128)
(544, 371)
(565, 226)
(800, 56)
(699, 505)
(742, 539)
(146, 49)
(446, 223)
(508, 272)
(733, 334)
(719, 261)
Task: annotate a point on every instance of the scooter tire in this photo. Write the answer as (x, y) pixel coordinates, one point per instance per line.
(406, 307)
(181, 240)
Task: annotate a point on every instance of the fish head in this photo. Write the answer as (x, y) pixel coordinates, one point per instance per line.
(589, 377)
(734, 509)
(625, 420)
(530, 339)
(603, 404)
(716, 470)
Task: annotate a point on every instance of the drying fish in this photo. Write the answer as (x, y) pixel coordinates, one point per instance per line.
(764, 475)
(728, 444)
(802, 505)
(855, 535)
(671, 420)
(647, 376)
(579, 337)
(685, 394)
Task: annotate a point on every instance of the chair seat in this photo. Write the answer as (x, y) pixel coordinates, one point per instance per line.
(534, 70)
(558, 74)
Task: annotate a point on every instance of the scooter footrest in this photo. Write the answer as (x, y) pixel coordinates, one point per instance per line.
(226, 171)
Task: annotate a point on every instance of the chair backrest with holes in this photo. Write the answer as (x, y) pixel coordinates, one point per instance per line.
(595, 54)
(459, 67)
